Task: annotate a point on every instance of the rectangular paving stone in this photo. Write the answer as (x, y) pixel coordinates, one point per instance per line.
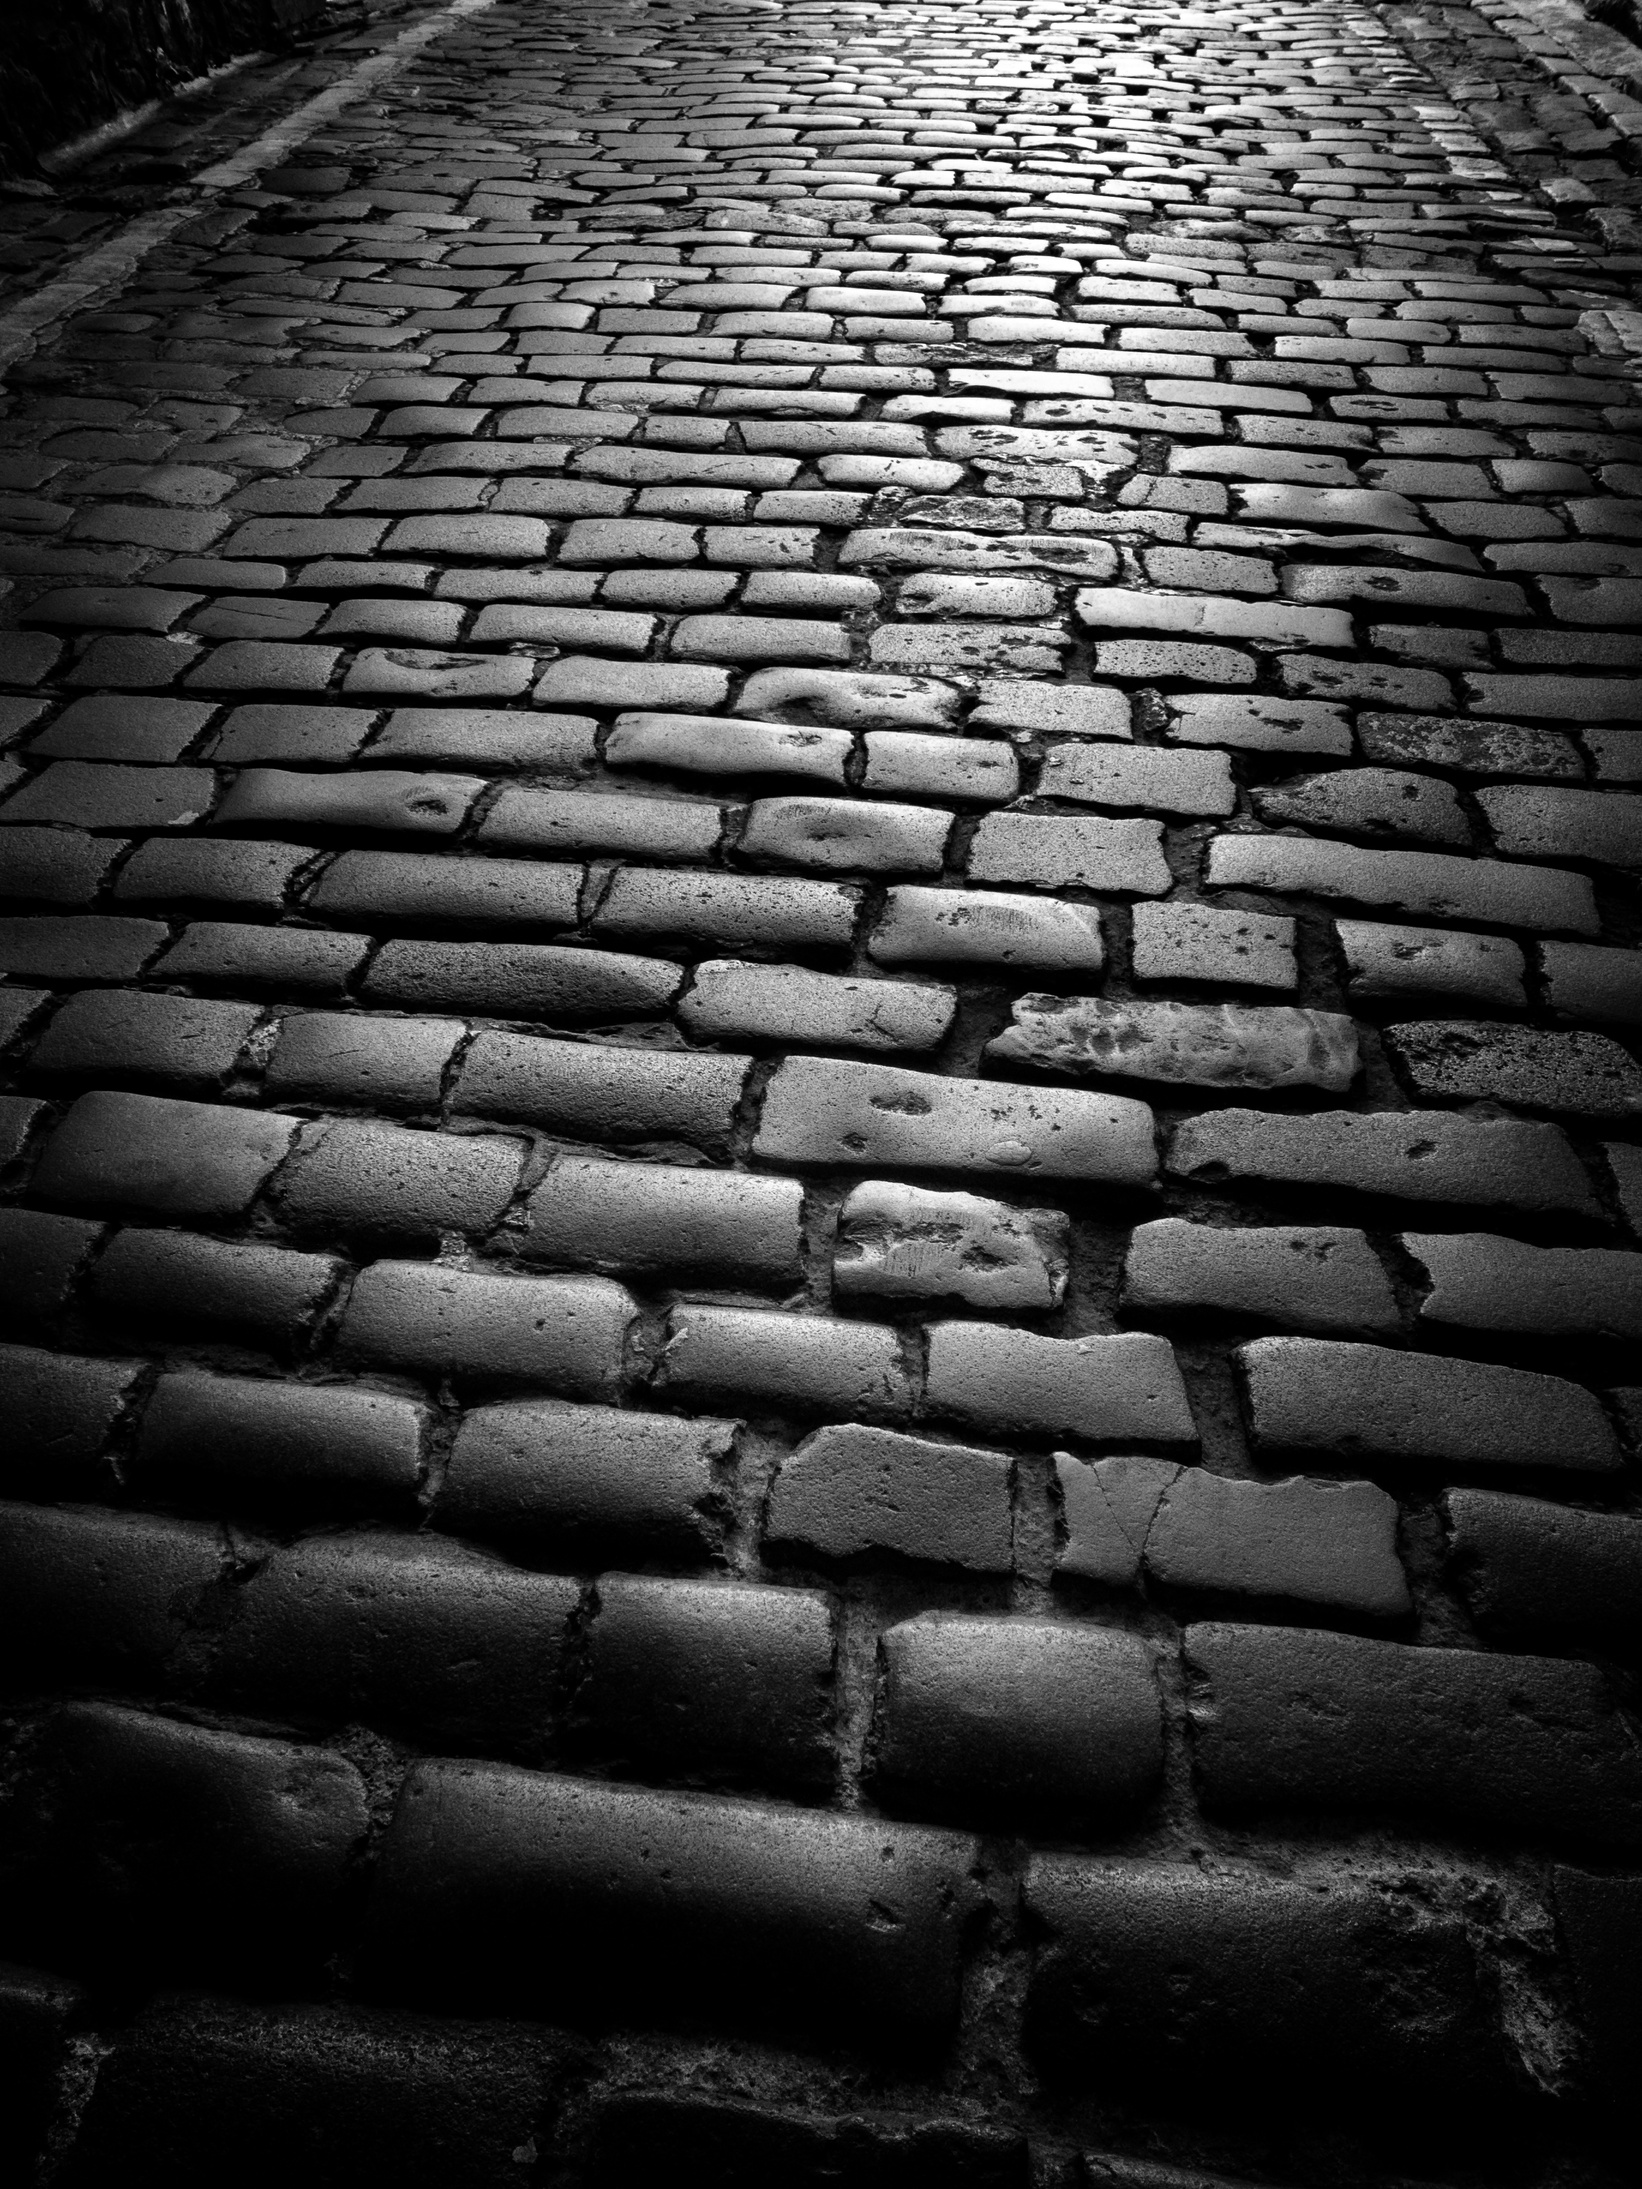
(1429, 882)
(1327, 1721)
(1419, 1156)
(818, 1110)
(1057, 851)
(1098, 1389)
(1312, 1394)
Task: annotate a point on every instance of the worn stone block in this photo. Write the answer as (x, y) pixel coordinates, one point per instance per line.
(1200, 942)
(1201, 1045)
(904, 1242)
(825, 1111)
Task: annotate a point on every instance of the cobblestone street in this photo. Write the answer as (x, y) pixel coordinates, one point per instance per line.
(820, 983)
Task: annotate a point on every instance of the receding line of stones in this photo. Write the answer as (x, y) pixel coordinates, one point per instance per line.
(62, 159)
(26, 323)
(110, 265)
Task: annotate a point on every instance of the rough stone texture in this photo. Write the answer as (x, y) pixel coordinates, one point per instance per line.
(1058, 851)
(698, 1223)
(1470, 1060)
(818, 829)
(988, 927)
(1196, 1045)
(1202, 943)
(1310, 1978)
(905, 1243)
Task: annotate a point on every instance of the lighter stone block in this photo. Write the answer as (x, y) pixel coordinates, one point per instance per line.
(901, 1242)
(1197, 1045)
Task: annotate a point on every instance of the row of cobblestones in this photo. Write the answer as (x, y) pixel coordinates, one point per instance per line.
(822, 1199)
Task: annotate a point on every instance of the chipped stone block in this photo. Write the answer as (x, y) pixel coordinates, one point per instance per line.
(1213, 616)
(787, 1363)
(849, 699)
(1532, 1747)
(1383, 804)
(971, 649)
(1468, 747)
(1480, 1281)
(704, 744)
(1146, 775)
(826, 1111)
(1060, 851)
(1258, 723)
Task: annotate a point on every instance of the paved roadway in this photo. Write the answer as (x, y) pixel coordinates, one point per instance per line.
(820, 984)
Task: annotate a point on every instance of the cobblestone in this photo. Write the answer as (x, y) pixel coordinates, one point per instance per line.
(1297, 1541)
(819, 841)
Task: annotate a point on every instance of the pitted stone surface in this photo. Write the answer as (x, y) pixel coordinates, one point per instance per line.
(904, 1242)
(1202, 1045)
(818, 835)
